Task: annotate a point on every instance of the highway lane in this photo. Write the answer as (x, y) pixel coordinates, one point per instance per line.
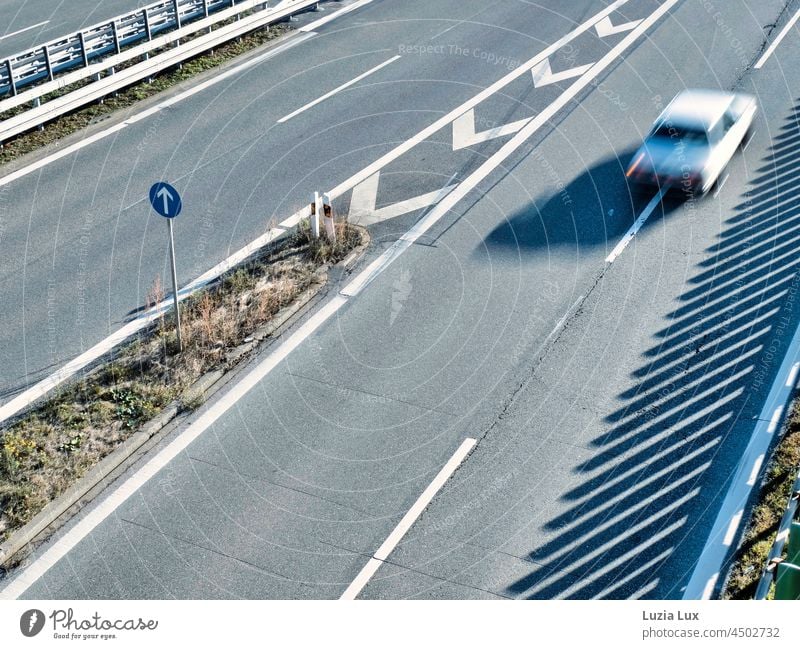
(454, 340)
(429, 424)
(604, 474)
(85, 217)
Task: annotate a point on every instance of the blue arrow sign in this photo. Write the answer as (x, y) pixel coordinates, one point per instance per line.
(165, 200)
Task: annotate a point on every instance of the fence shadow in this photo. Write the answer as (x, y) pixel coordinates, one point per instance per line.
(622, 530)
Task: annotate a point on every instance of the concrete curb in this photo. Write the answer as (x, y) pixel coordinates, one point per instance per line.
(203, 388)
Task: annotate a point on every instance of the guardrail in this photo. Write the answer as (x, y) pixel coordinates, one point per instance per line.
(785, 572)
(183, 27)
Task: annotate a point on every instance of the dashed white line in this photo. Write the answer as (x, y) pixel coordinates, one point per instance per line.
(23, 30)
(335, 91)
(637, 224)
(721, 184)
(383, 552)
(777, 41)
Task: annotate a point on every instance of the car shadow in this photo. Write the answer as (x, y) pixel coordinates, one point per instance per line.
(595, 209)
(628, 528)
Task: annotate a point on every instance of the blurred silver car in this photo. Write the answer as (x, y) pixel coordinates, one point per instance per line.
(693, 140)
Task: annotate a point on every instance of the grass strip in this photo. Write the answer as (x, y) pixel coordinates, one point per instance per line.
(50, 447)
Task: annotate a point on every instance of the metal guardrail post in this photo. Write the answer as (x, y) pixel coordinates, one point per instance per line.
(205, 8)
(115, 35)
(48, 63)
(147, 29)
(177, 10)
(11, 84)
(84, 53)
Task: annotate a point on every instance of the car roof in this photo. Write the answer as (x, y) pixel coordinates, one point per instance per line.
(697, 108)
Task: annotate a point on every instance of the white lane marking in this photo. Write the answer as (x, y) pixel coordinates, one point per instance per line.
(471, 103)
(606, 28)
(69, 370)
(792, 378)
(58, 377)
(25, 29)
(63, 545)
(721, 184)
(464, 134)
(775, 420)
(493, 162)
(777, 41)
(333, 92)
(297, 40)
(345, 10)
(543, 75)
(705, 577)
(637, 224)
(383, 552)
(365, 196)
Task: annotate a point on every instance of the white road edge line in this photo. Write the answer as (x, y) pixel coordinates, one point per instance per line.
(345, 10)
(23, 30)
(383, 552)
(337, 90)
(69, 370)
(777, 41)
(63, 545)
(16, 175)
(637, 224)
(41, 388)
(96, 516)
(707, 572)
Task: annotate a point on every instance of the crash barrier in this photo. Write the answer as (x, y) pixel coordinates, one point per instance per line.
(164, 33)
(784, 571)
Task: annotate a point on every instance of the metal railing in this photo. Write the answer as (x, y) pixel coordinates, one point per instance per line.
(785, 573)
(144, 42)
(82, 48)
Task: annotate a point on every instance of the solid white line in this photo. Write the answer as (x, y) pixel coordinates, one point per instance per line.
(69, 370)
(61, 547)
(337, 90)
(777, 41)
(323, 21)
(63, 374)
(705, 578)
(523, 69)
(408, 520)
(297, 40)
(637, 224)
(25, 29)
(493, 162)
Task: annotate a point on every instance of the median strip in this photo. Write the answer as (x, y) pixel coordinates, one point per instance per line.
(144, 384)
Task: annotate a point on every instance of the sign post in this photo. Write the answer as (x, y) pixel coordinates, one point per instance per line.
(167, 202)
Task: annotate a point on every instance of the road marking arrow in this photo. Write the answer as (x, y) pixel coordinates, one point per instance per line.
(464, 134)
(365, 195)
(166, 196)
(543, 75)
(605, 27)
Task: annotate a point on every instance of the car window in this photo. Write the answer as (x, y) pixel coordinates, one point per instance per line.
(682, 133)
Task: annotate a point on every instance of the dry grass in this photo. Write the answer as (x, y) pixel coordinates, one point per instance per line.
(43, 453)
(772, 500)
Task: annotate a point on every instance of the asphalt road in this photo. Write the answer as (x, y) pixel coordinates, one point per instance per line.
(610, 401)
